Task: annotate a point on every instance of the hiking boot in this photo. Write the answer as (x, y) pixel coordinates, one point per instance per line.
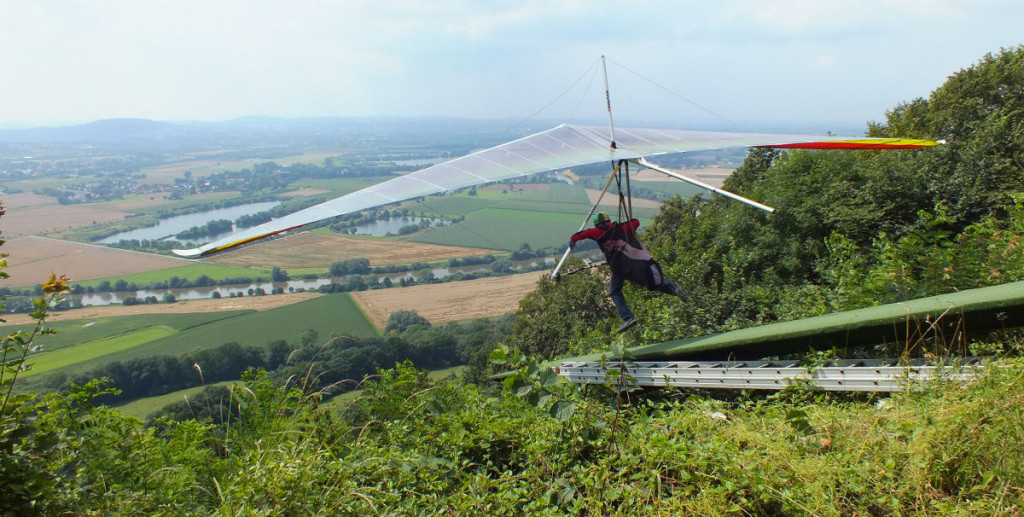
(680, 293)
(628, 324)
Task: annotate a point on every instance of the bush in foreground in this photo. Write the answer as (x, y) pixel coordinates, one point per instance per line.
(410, 446)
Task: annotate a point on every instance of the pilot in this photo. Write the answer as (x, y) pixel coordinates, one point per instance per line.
(628, 260)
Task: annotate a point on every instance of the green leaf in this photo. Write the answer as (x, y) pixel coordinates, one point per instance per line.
(538, 398)
(521, 388)
(618, 351)
(548, 377)
(562, 410)
(499, 356)
(798, 419)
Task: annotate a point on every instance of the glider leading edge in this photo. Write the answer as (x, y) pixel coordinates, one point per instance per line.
(561, 147)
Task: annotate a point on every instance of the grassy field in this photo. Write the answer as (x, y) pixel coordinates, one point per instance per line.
(504, 230)
(681, 188)
(205, 165)
(541, 215)
(451, 206)
(73, 332)
(190, 272)
(338, 186)
(52, 360)
(508, 227)
(329, 316)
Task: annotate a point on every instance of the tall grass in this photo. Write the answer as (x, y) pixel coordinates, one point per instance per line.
(409, 445)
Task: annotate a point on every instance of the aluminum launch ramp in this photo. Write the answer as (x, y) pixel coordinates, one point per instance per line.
(847, 375)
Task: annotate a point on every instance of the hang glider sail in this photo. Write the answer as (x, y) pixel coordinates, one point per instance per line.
(558, 148)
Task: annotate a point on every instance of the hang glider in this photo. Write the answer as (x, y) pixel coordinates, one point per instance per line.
(558, 148)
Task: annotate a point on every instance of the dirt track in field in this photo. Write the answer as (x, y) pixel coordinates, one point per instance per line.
(32, 259)
(453, 301)
(259, 303)
(320, 250)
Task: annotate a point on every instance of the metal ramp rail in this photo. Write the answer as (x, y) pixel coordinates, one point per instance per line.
(840, 375)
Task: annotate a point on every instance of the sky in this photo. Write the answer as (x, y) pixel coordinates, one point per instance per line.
(812, 63)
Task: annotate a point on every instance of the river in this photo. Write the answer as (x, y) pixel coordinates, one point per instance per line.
(174, 225)
(225, 291)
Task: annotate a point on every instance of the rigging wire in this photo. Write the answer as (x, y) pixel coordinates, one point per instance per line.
(592, 70)
(679, 96)
(593, 75)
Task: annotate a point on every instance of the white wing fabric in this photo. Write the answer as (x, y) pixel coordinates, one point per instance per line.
(557, 148)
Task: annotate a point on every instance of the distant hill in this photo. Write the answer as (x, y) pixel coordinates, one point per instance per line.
(256, 130)
(101, 131)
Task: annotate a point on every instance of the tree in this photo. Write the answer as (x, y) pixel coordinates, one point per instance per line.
(425, 276)
(401, 320)
(980, 112)
(354, 266)
(556, 311)
(278, 275)
(309, 338)
(277, 354)
(501, 266)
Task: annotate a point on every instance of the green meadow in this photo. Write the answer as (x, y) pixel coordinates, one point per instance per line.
(455, 205)
(676, 187)
(502, 229)
(329, 315)
(237, 165)
(512, 223)
(338, 186)
(52, 360)
(80, 346)
(73, 332)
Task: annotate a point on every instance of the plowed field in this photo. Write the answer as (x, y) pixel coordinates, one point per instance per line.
(32, 259)
(453, 301)
(31, 214)
(259, 303)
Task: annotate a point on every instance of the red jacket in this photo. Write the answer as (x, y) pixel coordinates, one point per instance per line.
(598, 232)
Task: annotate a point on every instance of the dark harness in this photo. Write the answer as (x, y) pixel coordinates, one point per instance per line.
(627, 257)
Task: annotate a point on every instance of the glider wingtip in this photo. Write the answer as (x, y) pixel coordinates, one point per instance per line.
(192, 253)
